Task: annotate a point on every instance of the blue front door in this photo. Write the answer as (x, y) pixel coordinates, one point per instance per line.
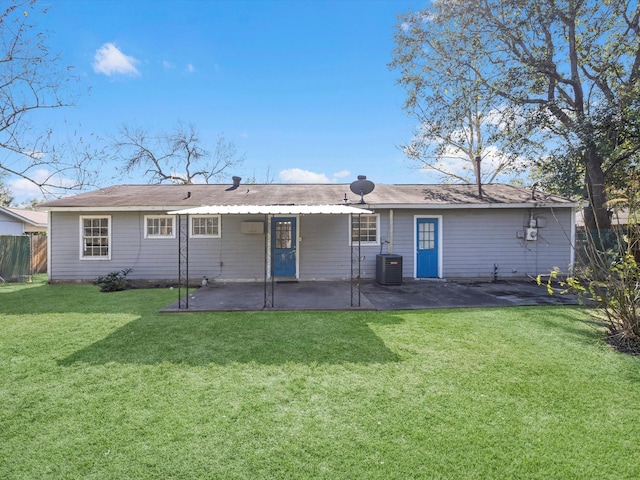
(283, 246)
(427, 248)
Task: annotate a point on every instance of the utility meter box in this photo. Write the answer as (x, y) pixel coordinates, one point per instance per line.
(531, 234)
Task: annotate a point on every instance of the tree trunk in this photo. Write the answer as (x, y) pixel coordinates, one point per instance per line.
(596, 217)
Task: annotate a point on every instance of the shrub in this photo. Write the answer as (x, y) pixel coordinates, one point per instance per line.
(608, 277)
(114, 281)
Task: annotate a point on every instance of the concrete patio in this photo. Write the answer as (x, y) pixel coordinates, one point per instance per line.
(337, 295)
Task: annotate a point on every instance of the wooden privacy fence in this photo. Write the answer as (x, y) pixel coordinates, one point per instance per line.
(39, 253)
(22, 256)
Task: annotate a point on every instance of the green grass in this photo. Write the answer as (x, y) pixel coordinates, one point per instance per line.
(101, 386)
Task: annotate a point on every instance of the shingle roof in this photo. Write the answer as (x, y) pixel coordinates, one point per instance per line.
(38, 219)
(176, 197)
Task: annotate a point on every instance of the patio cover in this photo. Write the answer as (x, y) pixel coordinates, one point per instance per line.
(272, 210)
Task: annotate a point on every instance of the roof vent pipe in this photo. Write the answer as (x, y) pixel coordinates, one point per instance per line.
(236, 183)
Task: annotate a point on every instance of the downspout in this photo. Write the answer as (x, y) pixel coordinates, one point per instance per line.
(49, 257)
(390, 239)
(572, 254)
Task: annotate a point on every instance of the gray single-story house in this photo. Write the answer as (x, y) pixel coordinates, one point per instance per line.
(19, 221)
(250, 232)
(23, 243)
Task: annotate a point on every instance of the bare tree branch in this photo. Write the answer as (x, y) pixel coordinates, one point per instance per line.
(174, 157)
(33, 80)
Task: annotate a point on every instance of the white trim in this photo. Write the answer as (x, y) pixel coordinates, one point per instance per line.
(440, 244)
(306, 209)
(390, 235)
(464, 206)
(81, 242)
(192, 235)
(49, 242)
(377, 242)
(572, 252)
(151, 208)
(281, 210)
(159, 236)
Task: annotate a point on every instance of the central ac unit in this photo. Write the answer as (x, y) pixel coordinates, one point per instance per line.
(389, 269)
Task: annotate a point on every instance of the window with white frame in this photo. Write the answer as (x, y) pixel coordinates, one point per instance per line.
(95, 238)
(159, 226)
(205, 226)
(365, 229)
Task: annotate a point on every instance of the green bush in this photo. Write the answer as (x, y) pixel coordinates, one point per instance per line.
(114, 281)
(609, 279)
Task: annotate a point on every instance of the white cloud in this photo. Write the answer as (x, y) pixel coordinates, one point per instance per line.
(190, 68)
(23, 189)
(168, 65)
(342, 174)
(457, 162)
(109, 60)
(34, 154)
(298, 175)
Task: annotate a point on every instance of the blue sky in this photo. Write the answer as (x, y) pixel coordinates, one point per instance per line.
(301, 87)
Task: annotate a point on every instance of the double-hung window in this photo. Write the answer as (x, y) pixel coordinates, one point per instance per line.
(365, 229)
(205, 226)
(159, 226)
(95, 238)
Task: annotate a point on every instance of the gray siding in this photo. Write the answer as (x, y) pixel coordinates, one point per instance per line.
(325, 252)
(324, 247)
(10, 225)
(233, 256)
(474, 240)
(241, 253)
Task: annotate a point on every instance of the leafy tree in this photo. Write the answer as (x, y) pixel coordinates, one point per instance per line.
(460, 119)
(568, 70)
(5, 194)
(176, 156)
(32, 80)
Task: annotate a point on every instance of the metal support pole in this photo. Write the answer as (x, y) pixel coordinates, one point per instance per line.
(351, 258)
(359, 254)
(266, 259)
(355, 274)
(183, 260)
(273, 255)
(268, 264)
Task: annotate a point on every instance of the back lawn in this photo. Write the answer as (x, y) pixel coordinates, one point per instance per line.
(101, 386)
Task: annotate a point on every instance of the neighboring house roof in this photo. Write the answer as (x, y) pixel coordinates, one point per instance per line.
(31, 217)
(178, 197)
(619, 216)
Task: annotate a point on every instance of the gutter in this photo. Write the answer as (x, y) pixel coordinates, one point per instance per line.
(460, 206)
(391, 206)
